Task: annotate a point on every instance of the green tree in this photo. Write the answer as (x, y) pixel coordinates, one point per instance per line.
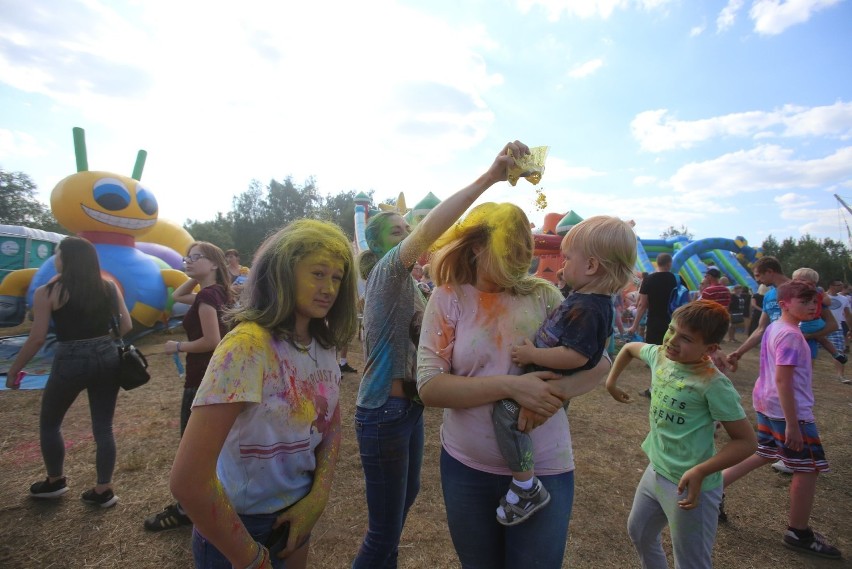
(258, 212)
(19, 205)
(673, 232)
(248, 217)
(828, 257)
(287, 202)
(219, 231)
(341, 210)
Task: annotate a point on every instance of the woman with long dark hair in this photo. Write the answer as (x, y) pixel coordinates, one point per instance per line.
(81, 304)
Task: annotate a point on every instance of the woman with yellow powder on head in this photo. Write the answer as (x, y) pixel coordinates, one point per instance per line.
(255, 465)
(484, 304)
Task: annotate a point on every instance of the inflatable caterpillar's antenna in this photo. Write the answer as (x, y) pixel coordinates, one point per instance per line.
(80, 149)
(140, 165)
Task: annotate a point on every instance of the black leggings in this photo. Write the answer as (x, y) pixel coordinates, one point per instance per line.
(89, 365)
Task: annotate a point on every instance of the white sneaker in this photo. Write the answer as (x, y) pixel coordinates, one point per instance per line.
(781, 467)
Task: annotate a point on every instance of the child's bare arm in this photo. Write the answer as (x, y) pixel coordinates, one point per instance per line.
(627, 353)
(742, 445)
(784, 381)
(559, 357)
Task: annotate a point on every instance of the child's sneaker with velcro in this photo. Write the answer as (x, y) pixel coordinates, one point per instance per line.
(528, 502)
(809, 541)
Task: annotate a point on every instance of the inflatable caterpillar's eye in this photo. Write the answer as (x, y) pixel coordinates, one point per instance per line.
(147, 201)
(111, 194)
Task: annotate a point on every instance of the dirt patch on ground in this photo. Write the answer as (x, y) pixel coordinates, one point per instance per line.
(607, 435)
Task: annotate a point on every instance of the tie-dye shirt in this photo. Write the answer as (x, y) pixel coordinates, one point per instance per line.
(784, 345)
(268, 459)
(470, 333)
(686, 399)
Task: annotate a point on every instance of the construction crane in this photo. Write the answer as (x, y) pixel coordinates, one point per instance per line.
(849, 209)
(848, 231)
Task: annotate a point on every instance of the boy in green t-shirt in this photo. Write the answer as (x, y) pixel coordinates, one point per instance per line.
(682, 486)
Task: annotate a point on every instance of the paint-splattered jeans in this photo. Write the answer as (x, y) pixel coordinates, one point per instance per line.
(79, 365)
(390, 439)
(208, 557)
(693, 531)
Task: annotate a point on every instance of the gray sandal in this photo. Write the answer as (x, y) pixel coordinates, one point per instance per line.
(530, 501)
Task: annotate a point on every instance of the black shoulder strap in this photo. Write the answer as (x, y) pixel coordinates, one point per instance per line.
(116, 311)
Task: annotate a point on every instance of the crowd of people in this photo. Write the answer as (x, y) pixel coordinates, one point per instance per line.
(472, 332)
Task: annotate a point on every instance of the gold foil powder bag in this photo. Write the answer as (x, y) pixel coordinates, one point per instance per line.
(530, 166)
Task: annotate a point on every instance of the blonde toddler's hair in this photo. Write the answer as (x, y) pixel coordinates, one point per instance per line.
(612, 242)
(806, 274)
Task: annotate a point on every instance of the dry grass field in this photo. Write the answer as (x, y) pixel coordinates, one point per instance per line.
(67, 533)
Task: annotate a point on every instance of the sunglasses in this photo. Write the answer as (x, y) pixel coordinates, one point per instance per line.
(194, 257)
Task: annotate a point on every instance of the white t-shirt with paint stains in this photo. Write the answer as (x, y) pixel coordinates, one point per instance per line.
(268, 459)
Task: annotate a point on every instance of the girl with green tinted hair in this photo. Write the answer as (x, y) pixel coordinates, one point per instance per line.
(264, 434)
(389, 416)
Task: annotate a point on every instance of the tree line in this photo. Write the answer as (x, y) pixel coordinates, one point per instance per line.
(261, 210)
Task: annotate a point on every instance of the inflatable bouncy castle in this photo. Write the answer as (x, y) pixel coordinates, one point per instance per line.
(111, 211)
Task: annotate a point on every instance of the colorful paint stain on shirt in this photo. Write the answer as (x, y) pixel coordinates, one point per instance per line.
(268, 459)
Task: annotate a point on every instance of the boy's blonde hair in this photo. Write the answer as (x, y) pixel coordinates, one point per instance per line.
(705, 317)
(806, 274)
(612, 242)
(501, 235)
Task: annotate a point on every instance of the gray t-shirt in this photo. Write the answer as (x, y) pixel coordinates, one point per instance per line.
(393, 309)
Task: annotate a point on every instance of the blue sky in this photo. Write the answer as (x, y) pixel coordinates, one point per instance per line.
(731, 118)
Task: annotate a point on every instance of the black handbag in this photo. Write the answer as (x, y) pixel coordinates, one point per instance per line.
(132, 366)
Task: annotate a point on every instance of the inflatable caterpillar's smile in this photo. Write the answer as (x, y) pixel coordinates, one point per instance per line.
(118, 221)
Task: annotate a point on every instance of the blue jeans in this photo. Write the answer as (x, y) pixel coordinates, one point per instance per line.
(208, 557)
(90, 365)
(390, 439)
(471, 498)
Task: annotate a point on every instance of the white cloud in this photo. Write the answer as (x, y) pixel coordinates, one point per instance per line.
(586, 69)
(16, 144)
(727, 17)
(645, 180)
(697, 30)
(792, 199)
(805, 218)
(259, 93)
(772, 17)
(585, 9)
(558, 170)
(766, 167)
(658, 131)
